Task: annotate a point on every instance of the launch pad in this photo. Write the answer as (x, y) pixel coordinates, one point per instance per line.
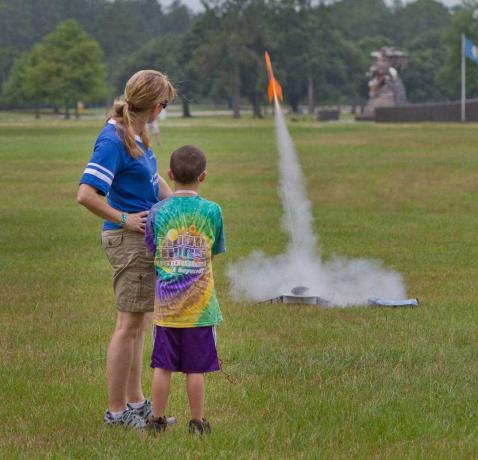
(299, 296)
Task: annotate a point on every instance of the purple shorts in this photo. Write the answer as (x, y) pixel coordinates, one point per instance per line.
(191, 350)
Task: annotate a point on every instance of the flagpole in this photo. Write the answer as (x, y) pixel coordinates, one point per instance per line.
(463, 79)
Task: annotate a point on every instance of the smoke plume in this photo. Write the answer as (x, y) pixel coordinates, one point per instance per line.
(342, 282)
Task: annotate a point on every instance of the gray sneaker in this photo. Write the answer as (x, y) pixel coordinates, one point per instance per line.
(147, 411)
(129, 419)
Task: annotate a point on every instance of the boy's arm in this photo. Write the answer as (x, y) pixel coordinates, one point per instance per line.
(219, 245)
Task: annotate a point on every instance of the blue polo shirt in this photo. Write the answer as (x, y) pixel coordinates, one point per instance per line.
(129, 184)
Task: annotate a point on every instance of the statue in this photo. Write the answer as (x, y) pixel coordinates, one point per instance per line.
(386, 88)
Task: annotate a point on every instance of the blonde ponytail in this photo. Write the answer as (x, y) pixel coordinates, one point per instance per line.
(143, 91)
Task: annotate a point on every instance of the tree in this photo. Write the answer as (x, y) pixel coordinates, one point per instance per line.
(232, 51)
(162, 54)
(289, 51)
(173, 55)
(124, 26)
(71, 66)
(320, 48)
(177, 19)
(63, 68)
(361, 18)
(159, 54)
(324, 66)
(417, 18)
(191, 83)
(7, 58)
(221, 50)
(120, 26)
(336, 66)
(449, 78)
(424, 65)
(24, 84)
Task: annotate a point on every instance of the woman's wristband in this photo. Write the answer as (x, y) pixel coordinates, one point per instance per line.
(122, 221)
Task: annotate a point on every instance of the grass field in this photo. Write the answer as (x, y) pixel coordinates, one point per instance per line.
(312, 383)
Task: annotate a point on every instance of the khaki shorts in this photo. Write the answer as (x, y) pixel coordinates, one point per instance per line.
(133, 270)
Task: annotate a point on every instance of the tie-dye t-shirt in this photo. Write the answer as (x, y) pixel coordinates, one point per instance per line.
(184, 232)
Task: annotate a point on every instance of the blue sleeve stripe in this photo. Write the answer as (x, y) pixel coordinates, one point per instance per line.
(99, 175)
(102, 168)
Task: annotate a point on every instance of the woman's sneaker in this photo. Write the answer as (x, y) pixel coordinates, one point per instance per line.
(156, 425)
(199, 427)
(145, 410)
(129, 419)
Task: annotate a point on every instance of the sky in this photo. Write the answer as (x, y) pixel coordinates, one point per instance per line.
(195, 5)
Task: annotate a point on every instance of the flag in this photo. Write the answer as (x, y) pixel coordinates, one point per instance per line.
(471, 50)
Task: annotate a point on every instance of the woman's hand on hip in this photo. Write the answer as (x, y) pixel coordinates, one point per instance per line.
(136, 222)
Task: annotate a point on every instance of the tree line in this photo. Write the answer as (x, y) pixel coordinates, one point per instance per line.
(56, 52)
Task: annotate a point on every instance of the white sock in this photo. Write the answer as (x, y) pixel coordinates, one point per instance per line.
(117, 415)
(137, 405)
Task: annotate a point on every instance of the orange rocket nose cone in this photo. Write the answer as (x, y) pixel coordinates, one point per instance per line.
(268, 62)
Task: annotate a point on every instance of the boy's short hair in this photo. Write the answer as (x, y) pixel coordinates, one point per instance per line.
(187, 163)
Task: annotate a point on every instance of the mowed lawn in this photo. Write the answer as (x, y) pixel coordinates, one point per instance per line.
(310, 382)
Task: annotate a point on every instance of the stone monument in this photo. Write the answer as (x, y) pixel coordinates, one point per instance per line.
(386, 88)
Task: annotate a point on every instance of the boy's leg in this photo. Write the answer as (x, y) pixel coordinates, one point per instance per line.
(160, 391)
(134, 390)
(120, 357)
(196, 391)
(199, 356)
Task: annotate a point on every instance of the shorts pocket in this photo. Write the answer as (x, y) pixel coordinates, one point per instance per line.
(111, 241)
(146, 285)
(133, 289)
(113, 245)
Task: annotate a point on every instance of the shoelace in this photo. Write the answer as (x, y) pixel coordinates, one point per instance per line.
(131, 417)
(144, 410)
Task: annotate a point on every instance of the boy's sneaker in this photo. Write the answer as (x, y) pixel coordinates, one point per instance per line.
(129, 419)
(199, 427)
(156, 425)
(145, 410)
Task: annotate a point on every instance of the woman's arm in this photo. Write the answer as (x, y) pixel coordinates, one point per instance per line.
(164, 189)
(91, 200)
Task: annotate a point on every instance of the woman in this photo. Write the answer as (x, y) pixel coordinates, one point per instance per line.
(123, 168)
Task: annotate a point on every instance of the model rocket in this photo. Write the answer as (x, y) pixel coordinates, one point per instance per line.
(274, 90)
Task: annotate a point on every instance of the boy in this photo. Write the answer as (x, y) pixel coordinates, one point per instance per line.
(184, 232)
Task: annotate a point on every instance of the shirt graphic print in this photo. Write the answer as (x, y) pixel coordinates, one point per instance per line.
(184, 233)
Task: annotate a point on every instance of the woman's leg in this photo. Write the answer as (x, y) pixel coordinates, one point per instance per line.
(134, 390)
(120, 357)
